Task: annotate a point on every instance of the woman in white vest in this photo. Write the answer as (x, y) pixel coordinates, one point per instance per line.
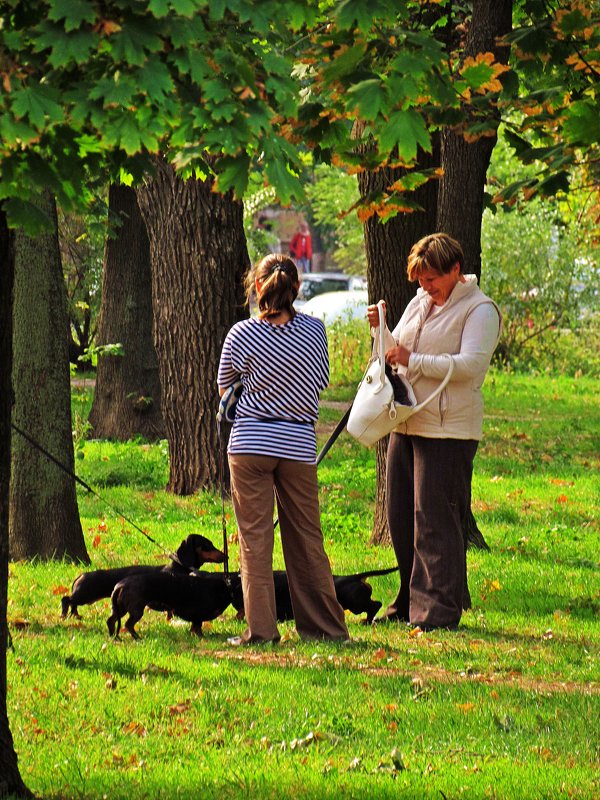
(430, 456)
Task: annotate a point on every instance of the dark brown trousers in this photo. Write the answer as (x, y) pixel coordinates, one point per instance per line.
(317, 613)
(428, 496)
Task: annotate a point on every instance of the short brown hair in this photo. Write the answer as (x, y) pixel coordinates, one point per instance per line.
(278, 276)
(438, 252)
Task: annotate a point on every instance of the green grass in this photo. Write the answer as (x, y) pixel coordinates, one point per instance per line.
(505, 707)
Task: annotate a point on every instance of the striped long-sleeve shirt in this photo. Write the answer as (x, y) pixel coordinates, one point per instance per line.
(283, 369)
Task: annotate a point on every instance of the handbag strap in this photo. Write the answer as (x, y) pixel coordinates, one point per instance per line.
(438, 389)
(381, 342)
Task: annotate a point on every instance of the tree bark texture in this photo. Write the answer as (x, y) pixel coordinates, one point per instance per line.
(387, 247)
(11, 782)
(44, 518)
(460, 204)
(199, 257)
(127, 398)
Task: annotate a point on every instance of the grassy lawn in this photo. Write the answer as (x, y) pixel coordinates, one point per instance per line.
(505, 707)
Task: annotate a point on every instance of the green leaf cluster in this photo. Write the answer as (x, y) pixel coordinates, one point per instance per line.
(92, 90)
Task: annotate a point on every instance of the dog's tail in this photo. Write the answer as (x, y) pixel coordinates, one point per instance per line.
(372, 573)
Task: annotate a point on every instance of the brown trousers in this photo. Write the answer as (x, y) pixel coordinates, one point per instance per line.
(428, 496)
(317, 613)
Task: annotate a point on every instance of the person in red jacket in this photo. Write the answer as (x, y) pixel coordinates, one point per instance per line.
(301, 247)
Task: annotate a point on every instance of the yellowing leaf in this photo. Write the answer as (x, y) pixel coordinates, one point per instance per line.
(492, 585)
(134, 728)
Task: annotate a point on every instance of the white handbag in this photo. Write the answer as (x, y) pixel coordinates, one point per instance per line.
(375, 411)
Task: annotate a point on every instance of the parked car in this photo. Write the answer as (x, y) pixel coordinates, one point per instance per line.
(316, 283)
(333, 306)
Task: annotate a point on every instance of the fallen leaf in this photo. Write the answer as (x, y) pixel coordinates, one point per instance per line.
(492, 585)
(466, 708)
(134, 728)
(19, 623)
(562, 498)
(180, 708)
(60, 589)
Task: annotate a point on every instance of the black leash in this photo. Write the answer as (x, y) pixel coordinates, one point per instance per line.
(327, 446)
(334, 435)
(221, 438)
(89, 489)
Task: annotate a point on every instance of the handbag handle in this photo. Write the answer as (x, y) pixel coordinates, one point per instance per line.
(381, 342)
(438, 389)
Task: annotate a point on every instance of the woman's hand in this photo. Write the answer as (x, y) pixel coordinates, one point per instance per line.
(373, 314)
(397, 355)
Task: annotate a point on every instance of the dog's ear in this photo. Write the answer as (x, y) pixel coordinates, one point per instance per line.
(186, 552)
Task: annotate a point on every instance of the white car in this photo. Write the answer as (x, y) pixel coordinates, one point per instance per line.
(316, 283)
(333, 306)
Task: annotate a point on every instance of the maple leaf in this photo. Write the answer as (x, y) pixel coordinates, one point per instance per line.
(482, 73)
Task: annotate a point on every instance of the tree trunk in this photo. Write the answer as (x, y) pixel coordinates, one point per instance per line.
(199, 256)
(127, 397)
(44, 518)
(387, 247)
(10, 778)
(460, 204)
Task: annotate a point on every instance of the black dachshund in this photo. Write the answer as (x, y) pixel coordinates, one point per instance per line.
(92, 586)
(195, 598)
(352, 591)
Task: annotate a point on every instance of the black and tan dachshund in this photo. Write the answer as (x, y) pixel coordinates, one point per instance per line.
(195, 598)
(89, 587)
(352, 591)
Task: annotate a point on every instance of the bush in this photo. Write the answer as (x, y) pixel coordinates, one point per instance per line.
(544, 280)
(350, 347)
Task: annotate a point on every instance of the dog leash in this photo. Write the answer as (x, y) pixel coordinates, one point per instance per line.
(334, 435)
(226, 575)
(327, 446)
(89, 489)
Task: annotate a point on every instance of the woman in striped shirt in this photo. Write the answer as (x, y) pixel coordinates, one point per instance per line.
(281, 358)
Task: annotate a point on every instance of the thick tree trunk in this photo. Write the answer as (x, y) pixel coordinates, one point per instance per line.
(387, 248)
(10, 778)
(44, 518)
(199, 256)
(127, 397)
(460, 204)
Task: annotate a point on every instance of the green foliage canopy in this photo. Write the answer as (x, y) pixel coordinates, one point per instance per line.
(92, 89)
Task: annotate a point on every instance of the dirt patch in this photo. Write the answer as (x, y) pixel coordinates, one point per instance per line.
(422, 676)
